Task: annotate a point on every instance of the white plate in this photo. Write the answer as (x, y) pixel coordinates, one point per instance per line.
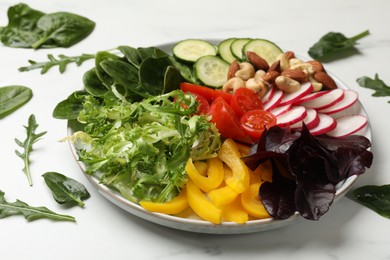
(201, 226)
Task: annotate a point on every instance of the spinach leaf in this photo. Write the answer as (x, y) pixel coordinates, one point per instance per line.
(334, 43)
(62, 61)
(374, 197)
(65, 189)
(27, 145)
(29, 28)
(30, 213)
(13, 97)
(21, 31)
(102, 56)
(93, 85)
(381, 89)
(63, 29)
(132, 55)
(70, 107)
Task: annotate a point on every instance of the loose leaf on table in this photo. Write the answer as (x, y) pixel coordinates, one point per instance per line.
(376, 84)
(27, 145)
(30, 213)
(29, 28)
(334, 43)
(374, 197)
(62, 62)
(65, 189)
(13, 97)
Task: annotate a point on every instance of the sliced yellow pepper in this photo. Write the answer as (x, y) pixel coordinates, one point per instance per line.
(244, 149)
(215, 174)
(229, 154)
(251, 202)
(201, 167)
(202, 206)
(222, 196)
(174, 206)
(234, 212)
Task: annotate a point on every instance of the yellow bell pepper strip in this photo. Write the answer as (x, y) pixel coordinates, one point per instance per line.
(234, 212)
(244, 149)
(201, 167)
(215, 174)
(229, 154)
(262, 173)
(222, 196)
(251, 202)
(202, 206)
(174, 206)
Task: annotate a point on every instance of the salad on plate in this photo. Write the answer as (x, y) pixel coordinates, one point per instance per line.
(234, 131)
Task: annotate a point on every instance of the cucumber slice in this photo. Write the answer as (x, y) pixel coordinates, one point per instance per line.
(225, 51)
(264, 48)
(192, 49)
(212, 70)
(237, 47)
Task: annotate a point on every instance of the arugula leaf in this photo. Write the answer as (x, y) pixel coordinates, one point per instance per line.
(13, 97)
(374, 197)
(65, 189)
(30, 213)
(27, 145)
(333, 43)
(381, 89)
(62, 61)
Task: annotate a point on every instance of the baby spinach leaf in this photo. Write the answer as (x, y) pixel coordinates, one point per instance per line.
(65, 189)
(93, 85)
(70, 107)
(27, 145)
(131, 55)
(374, 197)
(334, 43)
(30, 213)
(376, 84)
(13, 97)
(63, 29)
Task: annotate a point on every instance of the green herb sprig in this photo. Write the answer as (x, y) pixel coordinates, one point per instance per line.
(30, 213)
(376, 84)
(27, 145)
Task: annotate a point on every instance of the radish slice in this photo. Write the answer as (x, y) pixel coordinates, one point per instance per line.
(291, 98)
(311, 120)
(280, 110)
(326, 100)
(311, 96)
(327, 124)
(350, 97)
(348, 125)
(296, 114)
(268, 96)
(275, 100)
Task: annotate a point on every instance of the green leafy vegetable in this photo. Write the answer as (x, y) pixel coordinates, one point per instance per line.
(13, 97)
(374, 197)
(62, 61)
(381, 89)
(141, 148)
(334, 43)
(30, 213)
(27, 145)
(65, 189)
(29, 28)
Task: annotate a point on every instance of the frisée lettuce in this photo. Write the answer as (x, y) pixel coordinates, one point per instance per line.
(140, 148)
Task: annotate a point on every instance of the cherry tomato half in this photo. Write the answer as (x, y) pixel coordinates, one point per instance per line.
(244, 100)
(203, 105)
(255, 121)
(226, 121)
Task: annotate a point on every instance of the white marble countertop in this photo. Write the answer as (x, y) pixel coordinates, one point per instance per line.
(104, 231)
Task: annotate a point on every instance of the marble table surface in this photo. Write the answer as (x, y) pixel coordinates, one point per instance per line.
(104, 231)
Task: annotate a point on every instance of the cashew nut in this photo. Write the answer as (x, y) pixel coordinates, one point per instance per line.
(287, 84)
(246, 71)
(284, 63)
(233, 84)
(316, 85)
(304, 66)
(257, 86)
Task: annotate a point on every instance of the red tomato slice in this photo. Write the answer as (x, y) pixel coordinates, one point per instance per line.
(244, 100)
(206, 92)
(203, 106)
(255, 121)
(226, 96)
(226, 121)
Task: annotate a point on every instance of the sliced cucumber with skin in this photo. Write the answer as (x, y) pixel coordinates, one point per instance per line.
(264, 48)
(212, 70)
(237, 47)
(225, 51)
(192, 49)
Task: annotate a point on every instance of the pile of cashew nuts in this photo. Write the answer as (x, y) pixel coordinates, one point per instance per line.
(287, 73)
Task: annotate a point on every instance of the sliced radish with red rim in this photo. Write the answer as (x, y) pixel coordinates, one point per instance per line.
(348, 125)
(280, 109)
(326, 100)
(311, 120)
(290, 98)
(275, 100)
(268, 96)
(326, 124)
(311, 96)
(294, 115)
(350, 98)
